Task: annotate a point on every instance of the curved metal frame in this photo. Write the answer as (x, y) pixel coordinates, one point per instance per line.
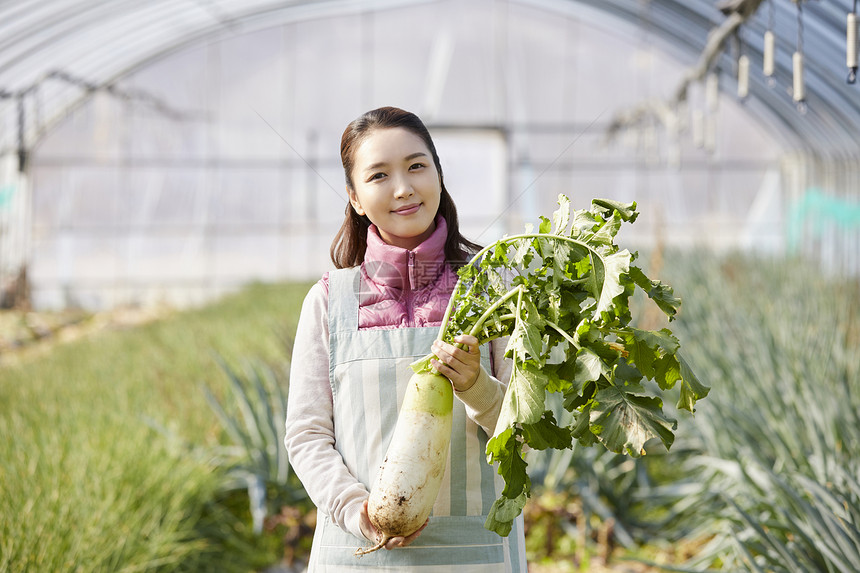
(108, 39)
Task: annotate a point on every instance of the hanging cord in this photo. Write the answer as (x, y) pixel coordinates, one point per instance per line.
(771, 17)
(851, 45)
(800, 26)
(160, 106)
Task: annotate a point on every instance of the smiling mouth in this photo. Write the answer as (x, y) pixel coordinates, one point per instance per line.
(407, 210)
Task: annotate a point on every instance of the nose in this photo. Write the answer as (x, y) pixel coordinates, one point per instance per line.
(403, 188)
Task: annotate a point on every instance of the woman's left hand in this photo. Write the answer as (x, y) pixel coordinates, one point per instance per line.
(460, 365)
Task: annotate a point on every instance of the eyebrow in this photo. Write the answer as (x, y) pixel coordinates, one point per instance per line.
(407, 158)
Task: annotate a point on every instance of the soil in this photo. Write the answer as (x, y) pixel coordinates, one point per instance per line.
(27, 334)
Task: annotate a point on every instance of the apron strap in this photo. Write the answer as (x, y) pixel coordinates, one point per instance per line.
(343, 288)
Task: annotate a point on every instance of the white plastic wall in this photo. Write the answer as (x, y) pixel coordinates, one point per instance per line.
(132, 207)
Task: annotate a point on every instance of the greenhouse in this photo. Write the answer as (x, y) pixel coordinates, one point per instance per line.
(171, 183)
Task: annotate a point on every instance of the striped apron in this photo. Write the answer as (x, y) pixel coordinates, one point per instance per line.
(369, 374)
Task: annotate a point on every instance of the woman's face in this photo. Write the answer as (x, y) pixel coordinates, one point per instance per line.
(396, 184)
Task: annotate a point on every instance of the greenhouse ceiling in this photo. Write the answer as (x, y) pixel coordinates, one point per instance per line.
(55, 53)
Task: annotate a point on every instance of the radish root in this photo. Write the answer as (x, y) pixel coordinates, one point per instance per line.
(362, 551)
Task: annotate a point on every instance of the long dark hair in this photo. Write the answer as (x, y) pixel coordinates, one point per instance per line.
(350, 243)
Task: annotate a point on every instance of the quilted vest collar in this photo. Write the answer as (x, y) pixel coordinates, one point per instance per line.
(401, 268)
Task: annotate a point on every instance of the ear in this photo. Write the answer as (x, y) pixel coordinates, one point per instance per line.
(353, 199)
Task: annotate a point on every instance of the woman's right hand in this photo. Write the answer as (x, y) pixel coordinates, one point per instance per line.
(374, 535)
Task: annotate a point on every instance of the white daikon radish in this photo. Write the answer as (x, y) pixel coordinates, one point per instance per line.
(410, 476)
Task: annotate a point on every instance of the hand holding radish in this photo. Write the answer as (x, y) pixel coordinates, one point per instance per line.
(373, 534)
(460, 362)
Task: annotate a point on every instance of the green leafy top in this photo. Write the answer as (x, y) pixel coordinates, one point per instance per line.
(561, 296)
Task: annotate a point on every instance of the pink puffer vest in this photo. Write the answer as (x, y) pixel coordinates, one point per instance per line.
(402, 288)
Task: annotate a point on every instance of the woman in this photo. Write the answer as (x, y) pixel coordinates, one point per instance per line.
(360, 328)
